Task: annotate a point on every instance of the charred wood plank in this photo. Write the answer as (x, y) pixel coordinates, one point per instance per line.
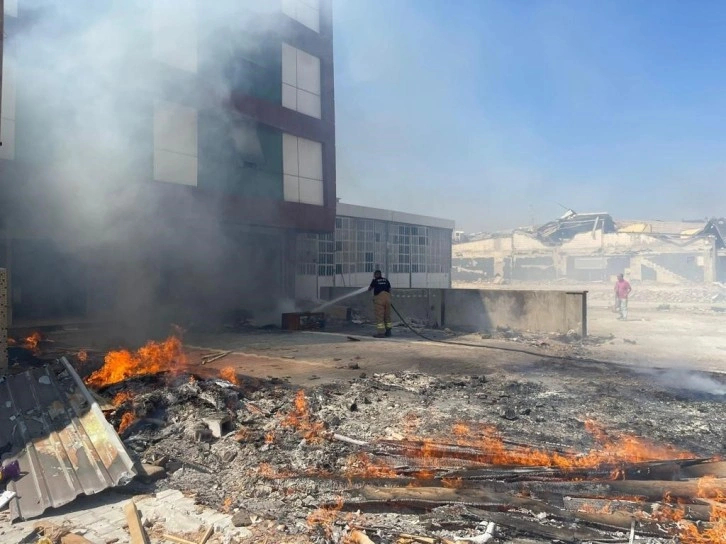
(518, 523)
(653, 490)
(694, 512)
(443, 495)
(712, 468)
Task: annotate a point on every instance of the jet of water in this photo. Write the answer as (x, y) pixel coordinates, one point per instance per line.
(335, 301)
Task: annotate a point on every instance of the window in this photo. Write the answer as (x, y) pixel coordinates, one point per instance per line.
(302, 163)
(300, 81)
(175, 33)
(175, 143)
(306, 12)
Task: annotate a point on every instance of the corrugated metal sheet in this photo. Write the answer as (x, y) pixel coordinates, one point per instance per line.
(61, 438)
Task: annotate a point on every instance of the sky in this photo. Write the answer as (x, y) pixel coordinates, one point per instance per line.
(499, 113)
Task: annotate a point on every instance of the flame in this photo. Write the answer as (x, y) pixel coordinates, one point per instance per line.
(715, 533)
(301, 419)
(265, 470)
(152, 358)
(362, 465)
(325, 516)
(228, 373)
(452, 483)
(121, 397)
(242, 435)
(82, 356)
(488, 447)
(32, 341)
(126, 420)
(226, 505)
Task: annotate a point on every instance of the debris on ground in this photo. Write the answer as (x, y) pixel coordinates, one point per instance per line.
(546, 454)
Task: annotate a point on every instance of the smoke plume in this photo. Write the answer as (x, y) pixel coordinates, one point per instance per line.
(87, 84)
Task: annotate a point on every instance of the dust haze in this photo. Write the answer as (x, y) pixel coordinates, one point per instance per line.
(87, 89)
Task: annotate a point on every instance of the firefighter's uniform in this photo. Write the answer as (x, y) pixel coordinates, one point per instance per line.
(382, 304)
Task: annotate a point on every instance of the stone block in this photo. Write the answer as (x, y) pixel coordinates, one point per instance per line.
(219, 425)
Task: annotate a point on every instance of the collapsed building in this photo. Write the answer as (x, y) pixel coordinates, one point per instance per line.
(160, 159)
(594, 247)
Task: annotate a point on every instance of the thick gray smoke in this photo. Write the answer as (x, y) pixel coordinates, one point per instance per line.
(86, 87)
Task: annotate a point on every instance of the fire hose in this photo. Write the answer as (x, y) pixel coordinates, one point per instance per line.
(497, 348)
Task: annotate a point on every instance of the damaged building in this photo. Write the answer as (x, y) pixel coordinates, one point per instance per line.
(595, 247)
(412, 251)
(159, 159)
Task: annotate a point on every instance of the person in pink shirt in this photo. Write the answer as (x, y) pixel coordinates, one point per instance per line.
(622, 291)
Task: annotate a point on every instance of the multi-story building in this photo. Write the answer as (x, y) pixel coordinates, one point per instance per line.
(162, 154)
(411, 251)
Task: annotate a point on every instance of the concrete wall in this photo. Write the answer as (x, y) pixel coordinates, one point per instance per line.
(423, 305)
(481, 309)
(537, 311)
(3, 321)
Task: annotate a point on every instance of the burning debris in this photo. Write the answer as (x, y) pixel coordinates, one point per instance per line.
(413, 458)
(308, 461)
(32, 342)
(152, 358)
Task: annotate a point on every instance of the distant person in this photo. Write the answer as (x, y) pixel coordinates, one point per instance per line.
(381, 288)
(622, 292)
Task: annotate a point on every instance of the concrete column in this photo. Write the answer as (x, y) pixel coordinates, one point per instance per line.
(3, 321)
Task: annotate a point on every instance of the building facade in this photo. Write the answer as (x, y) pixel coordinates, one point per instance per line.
(411, 251)
(162, 153)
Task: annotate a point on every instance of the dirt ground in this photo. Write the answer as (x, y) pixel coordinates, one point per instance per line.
(668, 326)
(659, 376)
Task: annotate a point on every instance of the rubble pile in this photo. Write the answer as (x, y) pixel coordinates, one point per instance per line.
(408, 457)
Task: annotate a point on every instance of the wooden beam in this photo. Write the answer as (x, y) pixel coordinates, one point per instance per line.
(136, 529)
(177, 539)
(443, 495)
(206, 535)
(59, 534)
(551, 532)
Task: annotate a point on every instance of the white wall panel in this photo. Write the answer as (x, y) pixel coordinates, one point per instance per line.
(302, 164)
(175, 167)
(175, 128)
(308, 72)
(289, 64)
(310, 158)
(175, 143)
(311, 191)
(289, 155)
(306, 12)
(291, 188)
(308, 16)
(300, 81)
(289, 97)
(307, 103)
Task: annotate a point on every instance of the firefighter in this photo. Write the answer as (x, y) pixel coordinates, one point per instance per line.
(381, 288)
